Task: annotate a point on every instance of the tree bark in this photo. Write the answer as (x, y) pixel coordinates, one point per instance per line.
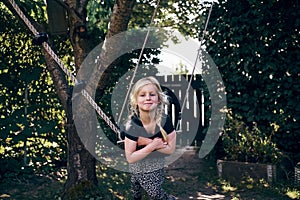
(81, 164)
(118, 23)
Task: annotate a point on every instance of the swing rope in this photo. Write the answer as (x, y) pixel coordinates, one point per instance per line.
(65, 69)
(139, 60)
(195, 64)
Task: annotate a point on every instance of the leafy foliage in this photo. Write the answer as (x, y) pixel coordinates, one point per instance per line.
(254, 44)
(248, 144)
(31, 115)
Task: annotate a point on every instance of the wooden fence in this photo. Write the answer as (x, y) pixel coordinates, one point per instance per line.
(193, 117)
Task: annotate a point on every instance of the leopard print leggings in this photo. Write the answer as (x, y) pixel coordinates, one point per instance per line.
(151, 182)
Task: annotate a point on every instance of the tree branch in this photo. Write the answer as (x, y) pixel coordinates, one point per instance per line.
(119, 20)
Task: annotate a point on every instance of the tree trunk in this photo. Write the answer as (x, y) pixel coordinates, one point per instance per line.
(81, 164)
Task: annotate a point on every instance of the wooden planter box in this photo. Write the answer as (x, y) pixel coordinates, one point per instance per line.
(236, 171)
(297, 175)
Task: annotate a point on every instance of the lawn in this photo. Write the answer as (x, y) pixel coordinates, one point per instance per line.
(187, 178)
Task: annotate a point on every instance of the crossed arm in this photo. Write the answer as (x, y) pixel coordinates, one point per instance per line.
(157, 144)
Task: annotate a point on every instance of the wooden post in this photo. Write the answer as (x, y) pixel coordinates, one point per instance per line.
(57, 17)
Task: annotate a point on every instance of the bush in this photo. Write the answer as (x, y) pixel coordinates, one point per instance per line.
(248, 144)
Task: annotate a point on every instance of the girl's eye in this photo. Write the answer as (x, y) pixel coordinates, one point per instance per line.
(143, 94)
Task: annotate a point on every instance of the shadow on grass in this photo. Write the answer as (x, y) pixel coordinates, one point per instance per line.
(187, 178)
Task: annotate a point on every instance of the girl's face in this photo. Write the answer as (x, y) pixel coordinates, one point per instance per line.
(147, 98)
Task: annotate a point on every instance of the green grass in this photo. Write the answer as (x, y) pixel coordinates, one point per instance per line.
(180, 182)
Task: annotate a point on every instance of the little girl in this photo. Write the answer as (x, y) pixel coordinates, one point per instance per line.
(149, 137)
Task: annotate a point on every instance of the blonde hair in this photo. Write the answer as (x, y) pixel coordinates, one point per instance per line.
(162, 99)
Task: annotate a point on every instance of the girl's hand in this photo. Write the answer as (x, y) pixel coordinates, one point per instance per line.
(158, 143)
